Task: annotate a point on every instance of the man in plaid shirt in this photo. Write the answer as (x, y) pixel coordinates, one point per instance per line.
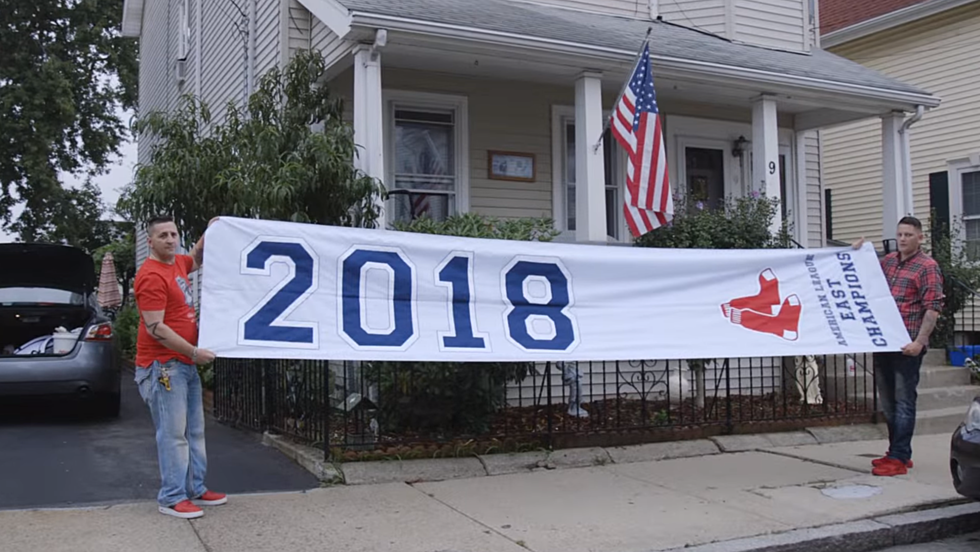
(917, 286)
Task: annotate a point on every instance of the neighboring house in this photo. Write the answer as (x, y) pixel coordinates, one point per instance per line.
(436, 87)
(932, 44)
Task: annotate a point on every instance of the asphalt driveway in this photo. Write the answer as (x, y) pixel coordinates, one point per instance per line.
(53, 456)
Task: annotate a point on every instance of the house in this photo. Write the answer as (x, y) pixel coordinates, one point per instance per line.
(493, 106)
(743, 88)
(931, 44)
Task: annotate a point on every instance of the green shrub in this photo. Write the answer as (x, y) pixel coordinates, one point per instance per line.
(961, 275)
(127, 326)
(741, 223)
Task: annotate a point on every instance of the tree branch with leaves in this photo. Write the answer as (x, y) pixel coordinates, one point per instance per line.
(288, 155)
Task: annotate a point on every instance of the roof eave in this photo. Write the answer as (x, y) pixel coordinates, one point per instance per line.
(676, 65)
(889, 20)
(132, 18)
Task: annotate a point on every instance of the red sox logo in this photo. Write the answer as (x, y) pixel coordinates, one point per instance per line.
(765, 311)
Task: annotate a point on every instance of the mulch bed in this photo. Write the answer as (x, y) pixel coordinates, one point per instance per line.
(514, 429)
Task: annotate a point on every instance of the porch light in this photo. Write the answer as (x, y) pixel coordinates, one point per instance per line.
(739, 148)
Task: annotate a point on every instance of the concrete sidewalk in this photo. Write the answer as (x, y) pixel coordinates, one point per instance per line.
(617, 507)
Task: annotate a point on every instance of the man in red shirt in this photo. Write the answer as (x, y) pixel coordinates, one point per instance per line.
(166, 371)
(917, 286)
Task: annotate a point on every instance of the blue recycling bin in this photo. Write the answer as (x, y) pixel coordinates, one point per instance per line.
(958, 355)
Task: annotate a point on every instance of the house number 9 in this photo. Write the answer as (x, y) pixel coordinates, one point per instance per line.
(772, 167)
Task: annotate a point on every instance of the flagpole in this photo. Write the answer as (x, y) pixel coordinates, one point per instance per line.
(622, 90)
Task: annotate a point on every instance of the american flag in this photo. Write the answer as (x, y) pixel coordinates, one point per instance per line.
(636, 126)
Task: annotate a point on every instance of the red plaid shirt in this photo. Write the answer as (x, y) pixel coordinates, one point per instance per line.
(917, 286)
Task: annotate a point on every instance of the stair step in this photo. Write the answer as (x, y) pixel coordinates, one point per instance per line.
(943, 420)
(931, 377)
(958, 396)
(936, 356)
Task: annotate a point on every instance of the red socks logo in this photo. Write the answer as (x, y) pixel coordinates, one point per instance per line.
(763, 312)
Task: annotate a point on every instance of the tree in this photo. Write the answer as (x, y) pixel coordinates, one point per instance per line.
(70, 216)
(265, 161)
(65, 71)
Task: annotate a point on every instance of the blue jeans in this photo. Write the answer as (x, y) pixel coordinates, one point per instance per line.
(897, 378)
(178, 415)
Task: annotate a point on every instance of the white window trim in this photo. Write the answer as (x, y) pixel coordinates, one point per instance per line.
(559, 113)
(428, 100)
(955, 169)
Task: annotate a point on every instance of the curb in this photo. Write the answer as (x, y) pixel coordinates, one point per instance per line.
(440, 469)
(859, 536)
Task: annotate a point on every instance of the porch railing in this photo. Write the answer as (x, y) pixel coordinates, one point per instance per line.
(363, 410)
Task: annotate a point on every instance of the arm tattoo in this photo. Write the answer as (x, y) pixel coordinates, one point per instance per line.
(928, 325)
(153, 329)
(199, 256)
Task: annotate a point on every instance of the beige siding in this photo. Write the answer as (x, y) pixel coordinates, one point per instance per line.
(707, 15)
(300, 26)
(158, 88)
(266, 37)
(773, 23)
(939, 55)
(142, 248)
(502, 116)
(628, 8)
(328, 43)
(224, 57)
(814, 192)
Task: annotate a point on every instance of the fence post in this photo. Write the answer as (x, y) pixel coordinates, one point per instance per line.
(728, 396)
(547, 369)
(325, 401)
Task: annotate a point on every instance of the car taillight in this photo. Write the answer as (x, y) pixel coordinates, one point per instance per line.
(102, 332)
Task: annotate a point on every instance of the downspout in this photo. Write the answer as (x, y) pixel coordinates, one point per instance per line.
(907, 161)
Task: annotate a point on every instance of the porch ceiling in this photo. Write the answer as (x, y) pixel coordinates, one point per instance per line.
(532, 42)
(420, 52)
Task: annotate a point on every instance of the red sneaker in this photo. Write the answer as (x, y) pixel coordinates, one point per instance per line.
(891, 468)
(879, 461)
(183, 509)
(210, 498)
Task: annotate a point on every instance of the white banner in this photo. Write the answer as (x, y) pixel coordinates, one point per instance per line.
(286, 290)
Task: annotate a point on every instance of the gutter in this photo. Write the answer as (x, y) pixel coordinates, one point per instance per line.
(907, 161)
(676, 65)
(909, 14)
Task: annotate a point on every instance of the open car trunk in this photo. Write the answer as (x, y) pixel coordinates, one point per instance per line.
(43, 287)
(28, 330)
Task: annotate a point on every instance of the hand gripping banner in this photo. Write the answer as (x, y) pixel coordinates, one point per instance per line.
(288, 290)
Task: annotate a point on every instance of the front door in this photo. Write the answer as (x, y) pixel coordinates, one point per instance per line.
(705, 170)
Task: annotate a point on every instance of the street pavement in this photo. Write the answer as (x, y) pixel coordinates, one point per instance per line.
(615, 507)
(53, 455)
(965, 543)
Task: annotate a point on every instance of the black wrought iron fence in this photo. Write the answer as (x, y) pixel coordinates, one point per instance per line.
(423, 410)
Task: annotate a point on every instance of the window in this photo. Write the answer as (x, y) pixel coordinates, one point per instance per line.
(970, 181)
(427, 157)
(613, 180)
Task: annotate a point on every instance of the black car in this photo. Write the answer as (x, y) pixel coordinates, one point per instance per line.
(55, 340)
(964, 457)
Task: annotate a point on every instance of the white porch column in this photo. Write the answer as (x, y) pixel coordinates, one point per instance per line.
(765, 151)
(590, 171)
(892, 174)
(369, 117)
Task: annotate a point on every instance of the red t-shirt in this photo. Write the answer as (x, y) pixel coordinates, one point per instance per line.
(163, 287)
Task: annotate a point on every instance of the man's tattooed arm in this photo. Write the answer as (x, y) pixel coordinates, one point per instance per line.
(164, 334)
